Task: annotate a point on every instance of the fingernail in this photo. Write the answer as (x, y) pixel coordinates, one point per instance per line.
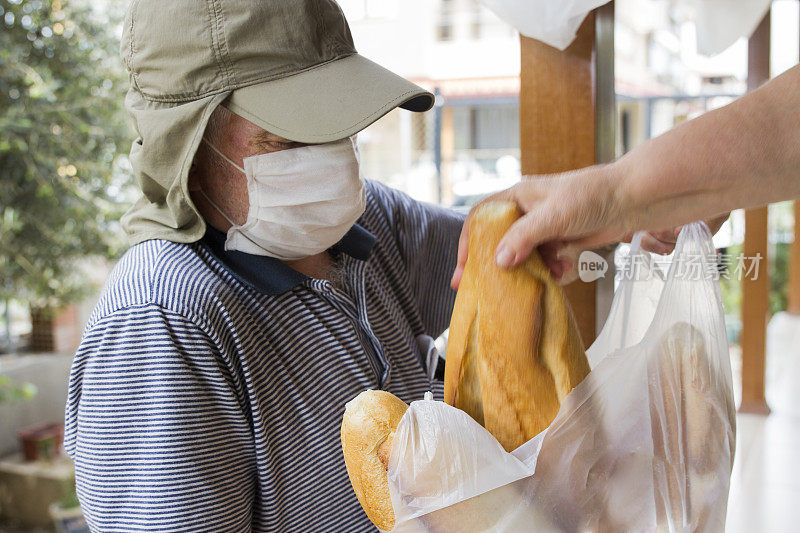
(505, 257)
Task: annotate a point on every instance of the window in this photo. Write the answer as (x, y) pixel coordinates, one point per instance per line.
(496, 127)
(444, 31)
(476, 26)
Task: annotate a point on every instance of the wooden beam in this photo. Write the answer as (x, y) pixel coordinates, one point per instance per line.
(755, 289)
(754, 315)
(557, 127)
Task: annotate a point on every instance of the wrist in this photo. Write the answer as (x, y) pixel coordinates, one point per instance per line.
(603, 188)
(619, 195)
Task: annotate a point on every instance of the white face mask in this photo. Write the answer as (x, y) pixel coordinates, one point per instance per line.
(302, 200)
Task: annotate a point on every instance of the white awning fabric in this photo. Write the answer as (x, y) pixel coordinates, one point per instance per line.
(719, 23)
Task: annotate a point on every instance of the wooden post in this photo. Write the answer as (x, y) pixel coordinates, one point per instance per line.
(755, 290)
(793, 306)
(557, 127)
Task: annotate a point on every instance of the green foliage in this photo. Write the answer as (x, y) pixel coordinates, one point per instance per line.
(61, 130)
(70, 498)
(731, 288)
(778, 269)
(779, 277)
(15, 393)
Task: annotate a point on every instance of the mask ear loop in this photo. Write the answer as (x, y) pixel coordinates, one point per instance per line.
(223, 156)
(215, 206)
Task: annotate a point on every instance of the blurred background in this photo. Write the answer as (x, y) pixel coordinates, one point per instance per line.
(65, 178)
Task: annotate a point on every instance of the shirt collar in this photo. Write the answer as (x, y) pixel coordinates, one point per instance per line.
(271, 275)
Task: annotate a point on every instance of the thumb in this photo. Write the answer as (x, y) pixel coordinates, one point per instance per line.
(463, 251)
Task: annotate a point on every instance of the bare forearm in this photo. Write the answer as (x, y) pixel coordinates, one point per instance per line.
(746, 154)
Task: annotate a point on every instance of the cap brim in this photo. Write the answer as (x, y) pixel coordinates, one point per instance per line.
(328, 102)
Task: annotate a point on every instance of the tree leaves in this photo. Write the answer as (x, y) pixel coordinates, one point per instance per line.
(61, 121)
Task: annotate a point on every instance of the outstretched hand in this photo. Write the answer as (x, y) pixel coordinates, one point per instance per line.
(564, 214)
(560, 212)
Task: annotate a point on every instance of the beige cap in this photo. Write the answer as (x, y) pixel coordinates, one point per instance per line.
(289, 67)
(348, 95)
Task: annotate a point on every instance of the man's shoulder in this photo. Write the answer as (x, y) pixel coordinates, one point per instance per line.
(391, 200)
(393, 209)
(154, 272)
(383, 195)
(385, 204)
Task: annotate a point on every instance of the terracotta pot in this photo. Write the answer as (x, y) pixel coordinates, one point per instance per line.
(41, 440)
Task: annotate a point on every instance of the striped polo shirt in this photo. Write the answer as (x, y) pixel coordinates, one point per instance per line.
(209, 387)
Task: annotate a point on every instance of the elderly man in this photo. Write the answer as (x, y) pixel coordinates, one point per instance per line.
(267, 284)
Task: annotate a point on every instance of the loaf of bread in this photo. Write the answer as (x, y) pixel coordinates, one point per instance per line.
(514, 351)
(688, 420)
(368, 426)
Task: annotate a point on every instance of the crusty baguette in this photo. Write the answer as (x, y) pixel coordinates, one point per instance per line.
(368, 426)
(688, 423)
(514, 351)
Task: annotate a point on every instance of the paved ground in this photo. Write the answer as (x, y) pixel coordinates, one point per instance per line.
(6, 527)
(765, 487)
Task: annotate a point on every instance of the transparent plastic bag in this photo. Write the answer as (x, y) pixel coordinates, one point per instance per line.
(644, 443)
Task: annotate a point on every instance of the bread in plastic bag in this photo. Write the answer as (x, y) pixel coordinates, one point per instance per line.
(644, 443)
